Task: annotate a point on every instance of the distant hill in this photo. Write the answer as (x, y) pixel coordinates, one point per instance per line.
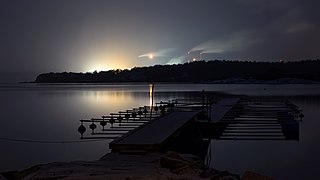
(199, 71)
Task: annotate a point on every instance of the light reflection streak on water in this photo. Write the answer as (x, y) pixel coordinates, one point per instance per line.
(109, 100)
(150, 95)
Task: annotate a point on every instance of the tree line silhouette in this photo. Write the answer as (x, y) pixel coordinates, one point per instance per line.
(199, 71)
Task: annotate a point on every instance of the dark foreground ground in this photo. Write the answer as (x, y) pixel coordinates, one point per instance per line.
(115, 166)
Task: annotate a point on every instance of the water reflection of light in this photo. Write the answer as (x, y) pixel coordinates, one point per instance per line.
(150, 95)
(109, 100)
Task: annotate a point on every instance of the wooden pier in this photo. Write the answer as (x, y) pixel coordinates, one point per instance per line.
(153, 135)
(185, 126)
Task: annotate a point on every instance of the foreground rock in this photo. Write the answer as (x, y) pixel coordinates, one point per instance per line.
(248, 175)
(115, 166)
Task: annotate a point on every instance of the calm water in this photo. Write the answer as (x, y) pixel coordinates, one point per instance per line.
(52, 112)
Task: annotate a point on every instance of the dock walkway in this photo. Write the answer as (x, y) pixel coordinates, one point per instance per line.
(260, 120)
(219, 109)
(181, 124)
(151, 136)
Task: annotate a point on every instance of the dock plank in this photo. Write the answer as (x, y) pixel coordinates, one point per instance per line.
(220, 109)
(155, 132)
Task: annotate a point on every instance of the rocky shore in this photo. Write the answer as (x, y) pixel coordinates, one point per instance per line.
(171, 166)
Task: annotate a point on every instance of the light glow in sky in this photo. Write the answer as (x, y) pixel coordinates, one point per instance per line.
(86, 35)
(105, 63)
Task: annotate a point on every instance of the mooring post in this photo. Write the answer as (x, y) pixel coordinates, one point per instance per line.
(203, 100)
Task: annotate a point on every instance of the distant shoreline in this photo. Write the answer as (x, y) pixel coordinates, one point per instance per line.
(222, 81)
(275, 81)
(207, 72)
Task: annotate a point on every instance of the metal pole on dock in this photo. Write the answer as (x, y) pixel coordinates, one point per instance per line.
(202, 99)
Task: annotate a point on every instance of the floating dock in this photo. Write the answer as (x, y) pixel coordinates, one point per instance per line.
(186, 125)
(255, 118)
(153, 135)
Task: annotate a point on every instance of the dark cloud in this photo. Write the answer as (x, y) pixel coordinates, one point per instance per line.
(43, 35)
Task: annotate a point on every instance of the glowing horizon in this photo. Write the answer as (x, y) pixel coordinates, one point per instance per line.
(105, 62)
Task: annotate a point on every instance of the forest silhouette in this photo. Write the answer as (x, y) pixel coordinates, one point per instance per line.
(199, 71)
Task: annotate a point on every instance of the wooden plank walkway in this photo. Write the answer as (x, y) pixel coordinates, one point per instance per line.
(219, 110)
(230, 118)
(151, 136)
(261, 120)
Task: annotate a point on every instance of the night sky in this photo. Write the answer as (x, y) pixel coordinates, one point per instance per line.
(86, 35)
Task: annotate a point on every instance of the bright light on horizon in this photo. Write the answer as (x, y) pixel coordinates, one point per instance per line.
(106, 64)
(151, 56)
(96, 68)
(102, 67)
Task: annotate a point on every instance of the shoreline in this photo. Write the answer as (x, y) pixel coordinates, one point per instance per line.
(279, 81)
